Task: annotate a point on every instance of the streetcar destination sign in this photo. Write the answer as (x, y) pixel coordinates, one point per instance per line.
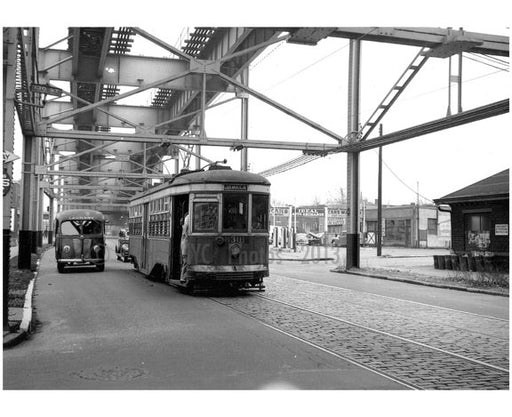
(46, 89)
(235, 187)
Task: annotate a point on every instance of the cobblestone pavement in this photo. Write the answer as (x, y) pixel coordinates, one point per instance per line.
(424, 346)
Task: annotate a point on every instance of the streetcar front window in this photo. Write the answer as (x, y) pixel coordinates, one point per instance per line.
(206, 215)
(259, 220)
(234, 213)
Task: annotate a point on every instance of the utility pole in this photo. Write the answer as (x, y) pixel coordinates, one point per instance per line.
(418, 213)
(379, 202)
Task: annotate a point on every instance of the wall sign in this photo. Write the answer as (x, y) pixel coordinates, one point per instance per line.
(7, 181)
(501, 230)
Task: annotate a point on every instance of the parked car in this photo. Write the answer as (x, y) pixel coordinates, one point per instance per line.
(123, 246)
(339, 240)
(308, 239)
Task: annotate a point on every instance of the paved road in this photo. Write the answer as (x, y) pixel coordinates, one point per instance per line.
(311, 329)
(117, 330)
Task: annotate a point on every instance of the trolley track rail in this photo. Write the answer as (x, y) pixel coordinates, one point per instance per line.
(422, 346)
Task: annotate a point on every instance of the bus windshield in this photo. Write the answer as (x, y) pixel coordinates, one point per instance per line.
(234, 213)
(78, 227)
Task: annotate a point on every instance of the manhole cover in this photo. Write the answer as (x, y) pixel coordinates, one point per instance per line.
(110, 374)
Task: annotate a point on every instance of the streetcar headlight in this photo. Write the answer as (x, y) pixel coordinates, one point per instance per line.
(66, 249)
(235, 250)
(96, 248)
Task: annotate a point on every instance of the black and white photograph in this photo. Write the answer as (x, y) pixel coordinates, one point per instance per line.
(230, 213)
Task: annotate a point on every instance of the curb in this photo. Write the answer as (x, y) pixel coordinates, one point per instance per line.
(302, 260)
(426, 284)
(13, 339)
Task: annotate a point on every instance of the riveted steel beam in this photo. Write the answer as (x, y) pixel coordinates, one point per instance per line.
(101, 174)
(93, 106)
(426, 37)
(94, 187)
(469, 116)
(184, 140)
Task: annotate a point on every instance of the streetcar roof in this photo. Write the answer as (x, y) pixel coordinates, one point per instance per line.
(80, 215)
(219, 176)
(215, 175)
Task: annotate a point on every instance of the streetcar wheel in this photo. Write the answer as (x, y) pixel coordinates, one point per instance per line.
(100, 268)
(60, 267)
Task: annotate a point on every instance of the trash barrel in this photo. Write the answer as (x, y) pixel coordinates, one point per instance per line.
(463, 263)
(448, 262)
(440, 262)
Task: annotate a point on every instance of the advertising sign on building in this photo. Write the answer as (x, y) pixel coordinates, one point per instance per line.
(310, 212)
(501, 230)
(280, 211)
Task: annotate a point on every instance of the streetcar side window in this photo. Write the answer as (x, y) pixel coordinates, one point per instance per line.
(234, 212)
(259, 218)
(206, 217)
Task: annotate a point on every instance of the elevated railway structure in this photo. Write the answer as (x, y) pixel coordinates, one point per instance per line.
(115, 149)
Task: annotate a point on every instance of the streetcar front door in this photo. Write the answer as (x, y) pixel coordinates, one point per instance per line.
(145, 235)
(179, 209)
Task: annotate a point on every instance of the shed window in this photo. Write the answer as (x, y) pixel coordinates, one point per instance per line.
(477, 231)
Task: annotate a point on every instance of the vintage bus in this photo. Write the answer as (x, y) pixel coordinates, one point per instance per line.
(203, 229)
(80, 239)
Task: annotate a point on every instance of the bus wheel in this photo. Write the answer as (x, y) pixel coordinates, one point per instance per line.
(60, 267)
(100, 268)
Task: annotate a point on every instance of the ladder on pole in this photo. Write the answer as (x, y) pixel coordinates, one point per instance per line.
(407, 76)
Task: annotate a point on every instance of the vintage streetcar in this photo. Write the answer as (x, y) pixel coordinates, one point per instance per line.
(203, 229)
(80, 239)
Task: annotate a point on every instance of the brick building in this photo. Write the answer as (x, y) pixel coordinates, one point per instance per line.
(480, 216)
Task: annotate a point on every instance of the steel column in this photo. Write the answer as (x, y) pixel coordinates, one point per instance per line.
(26, 231)
(353, 243)
(9, 86)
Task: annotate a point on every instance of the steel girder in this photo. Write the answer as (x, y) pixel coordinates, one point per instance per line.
(480, 113)
(173, 139)
(433, 38)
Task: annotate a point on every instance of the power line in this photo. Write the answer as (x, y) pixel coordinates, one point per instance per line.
(486, 63)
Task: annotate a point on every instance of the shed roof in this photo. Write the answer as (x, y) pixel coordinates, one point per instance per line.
(495, 187)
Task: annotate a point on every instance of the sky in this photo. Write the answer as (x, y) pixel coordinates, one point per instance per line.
(313, 81)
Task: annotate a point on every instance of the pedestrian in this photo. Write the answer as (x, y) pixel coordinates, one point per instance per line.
(184, 246)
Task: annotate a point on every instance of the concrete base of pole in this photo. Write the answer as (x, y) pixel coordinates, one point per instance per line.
(39, 238)
(6, 266)
(25, 249)
(353, 245)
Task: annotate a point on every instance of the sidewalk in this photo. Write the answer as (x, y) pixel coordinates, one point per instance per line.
(411, 265)
(20, 317)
